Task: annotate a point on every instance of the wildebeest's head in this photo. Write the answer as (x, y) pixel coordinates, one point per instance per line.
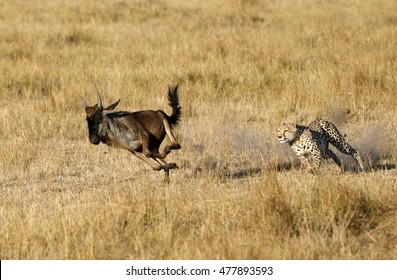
(95, 116)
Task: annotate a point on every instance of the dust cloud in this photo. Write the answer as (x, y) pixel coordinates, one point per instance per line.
(370, 140)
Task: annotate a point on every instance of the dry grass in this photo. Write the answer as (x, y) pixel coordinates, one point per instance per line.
(243, 67)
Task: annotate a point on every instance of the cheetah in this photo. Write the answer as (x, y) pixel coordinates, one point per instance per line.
(313, 140)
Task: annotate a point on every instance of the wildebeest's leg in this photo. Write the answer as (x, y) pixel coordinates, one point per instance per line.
(144, 137)
(168, 130)
(157, 154)
(156, 163)
(153, 163)
(167, 165)
(167, 168)
(174, 143)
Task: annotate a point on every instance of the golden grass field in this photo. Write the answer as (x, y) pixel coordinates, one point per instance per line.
(243, 68)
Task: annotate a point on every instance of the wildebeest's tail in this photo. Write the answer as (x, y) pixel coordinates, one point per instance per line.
(174, 103)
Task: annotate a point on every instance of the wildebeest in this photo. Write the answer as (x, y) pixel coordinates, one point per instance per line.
(140, 132)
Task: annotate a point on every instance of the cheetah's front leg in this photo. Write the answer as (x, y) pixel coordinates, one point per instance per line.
(305, 163)
(316, 159)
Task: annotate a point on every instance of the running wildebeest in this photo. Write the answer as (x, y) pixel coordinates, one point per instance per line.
(140, 132)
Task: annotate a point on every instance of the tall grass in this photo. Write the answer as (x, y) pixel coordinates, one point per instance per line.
(243, 68)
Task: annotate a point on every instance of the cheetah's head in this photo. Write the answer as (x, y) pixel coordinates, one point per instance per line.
(286, 132)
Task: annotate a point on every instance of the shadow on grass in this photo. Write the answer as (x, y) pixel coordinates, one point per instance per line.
(383, 166)
(292, 165)
(241, 174)
(285, 166)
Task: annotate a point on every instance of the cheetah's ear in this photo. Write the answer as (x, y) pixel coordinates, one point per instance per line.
(289, 123)
(293, 124)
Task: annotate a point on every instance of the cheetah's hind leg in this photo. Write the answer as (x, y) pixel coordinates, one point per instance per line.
(336, 139)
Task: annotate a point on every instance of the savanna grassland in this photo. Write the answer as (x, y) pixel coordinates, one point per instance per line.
(243, 68)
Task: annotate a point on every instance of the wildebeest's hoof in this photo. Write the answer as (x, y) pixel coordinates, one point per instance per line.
(169, 148)
(173, 166)
(176, 146)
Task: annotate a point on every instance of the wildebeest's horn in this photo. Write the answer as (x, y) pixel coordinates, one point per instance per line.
(84, 103)
(99, 101)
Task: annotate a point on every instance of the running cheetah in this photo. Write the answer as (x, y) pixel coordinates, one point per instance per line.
(313, 140)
